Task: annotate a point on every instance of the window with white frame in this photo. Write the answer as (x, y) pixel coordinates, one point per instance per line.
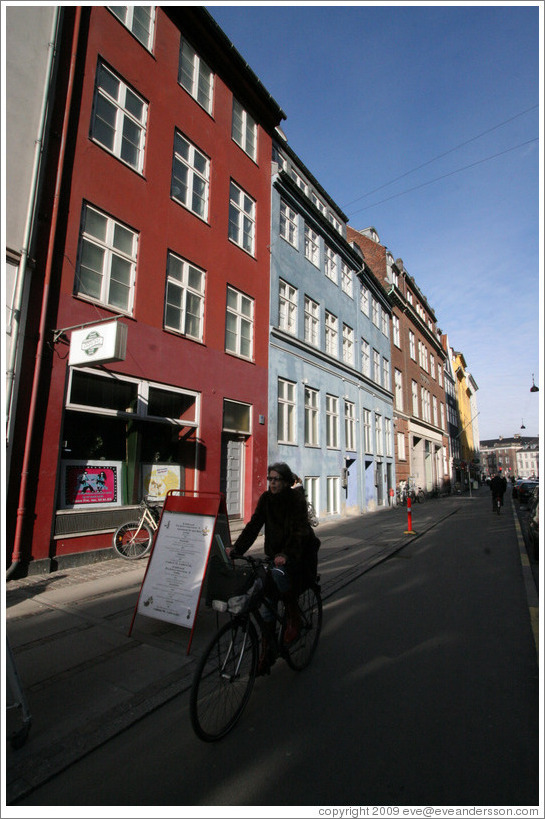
(312, 246)
(435, 411)
(312, 417)
(106, 267)
(119, 118)
(365, 358)
(190, 176)
(347, 279)
(364, 300)
(425, 402)
(332, 421)
(350, 426)
(333, 494)
(432, 366)
(286, 412)
(288, 224)
(312, 491)
(388, 436)
(401, 446)
(376, 366)
(195, 76)
(244, 130)
(412, 347)
(312, 322)
(386, 373)
(331, 334)
(318, 203)
(299, 181)
(367, 438)
(376, 313)
(241, 218)
(335, 222)
(396, 333)
(398, 389)
(439, 375)
(139, 20)
(287, 307)
(184, 298)
(384, 320)
(442, 411)
(379, 446)
(239, 323)
(331, 264)
(414, 390)
(348, 345)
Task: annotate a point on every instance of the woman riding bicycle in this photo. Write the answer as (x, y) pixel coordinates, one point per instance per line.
(284, 515)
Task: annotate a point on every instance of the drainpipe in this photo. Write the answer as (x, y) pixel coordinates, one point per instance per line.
(17, 555)
(15, 318)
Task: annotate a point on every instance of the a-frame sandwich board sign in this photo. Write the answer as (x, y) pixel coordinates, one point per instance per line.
(191, 524)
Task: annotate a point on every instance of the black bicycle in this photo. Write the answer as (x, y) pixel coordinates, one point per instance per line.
(226, 672)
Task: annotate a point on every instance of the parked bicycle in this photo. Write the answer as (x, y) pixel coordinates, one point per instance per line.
(134, 539)
(226, 672)
(312, 516)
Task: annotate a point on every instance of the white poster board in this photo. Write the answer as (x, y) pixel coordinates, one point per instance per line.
(172, 585)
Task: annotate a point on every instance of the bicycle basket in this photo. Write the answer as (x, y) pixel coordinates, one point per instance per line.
(224, 581)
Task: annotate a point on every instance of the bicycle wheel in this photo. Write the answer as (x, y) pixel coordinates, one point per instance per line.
(300, 653)
(132, 540)
(223, 680)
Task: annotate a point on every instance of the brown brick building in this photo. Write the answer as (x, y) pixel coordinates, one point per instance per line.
(417, 356)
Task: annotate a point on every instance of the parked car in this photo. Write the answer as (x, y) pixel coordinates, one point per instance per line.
(533, 529)
(516, 486)
(525, 491)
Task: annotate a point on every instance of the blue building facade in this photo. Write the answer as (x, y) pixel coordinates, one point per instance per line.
(330, 395)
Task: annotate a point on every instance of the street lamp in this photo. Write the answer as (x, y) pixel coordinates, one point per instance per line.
(533, 388)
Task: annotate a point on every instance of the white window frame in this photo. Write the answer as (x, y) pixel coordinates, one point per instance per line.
(184, 293)
(412, 345)
(350, 425)
(435, 411)
(312, 491)
(333, 494)
(286, 407)
(376, 313)
(244, 130)
(332, 421)
(388, 436)
(107, 246)
(130, 112)
(367, 438)
(398, 386)
(239, 324)
(395, 331)
(384, 323)
(376, 366)
(312, 246)
(366, 358)
(348, 345)
(191, 161)
(386, 373)
(330, 262)
(364, 300)
(195, 76)
(331, 334)
(131, 17)
(287, 307)
(242, 216)
(312, 417)
(288, 224)
(347, 280)
(379, 444)
(414, 388)
(312, 322)
(401, 454)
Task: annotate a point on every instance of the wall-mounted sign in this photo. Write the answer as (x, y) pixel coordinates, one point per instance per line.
(102, 343)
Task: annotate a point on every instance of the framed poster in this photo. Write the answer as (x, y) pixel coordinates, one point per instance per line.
(90, 483)
(158, 479)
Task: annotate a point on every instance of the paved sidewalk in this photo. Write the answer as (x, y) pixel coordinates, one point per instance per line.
(85, 679)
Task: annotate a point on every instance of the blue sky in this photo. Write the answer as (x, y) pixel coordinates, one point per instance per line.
(382, 99)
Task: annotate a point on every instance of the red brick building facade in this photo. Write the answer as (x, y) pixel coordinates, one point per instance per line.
(417, 356)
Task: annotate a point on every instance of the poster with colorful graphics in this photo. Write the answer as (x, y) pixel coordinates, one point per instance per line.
(158, 479)
(84, 483)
